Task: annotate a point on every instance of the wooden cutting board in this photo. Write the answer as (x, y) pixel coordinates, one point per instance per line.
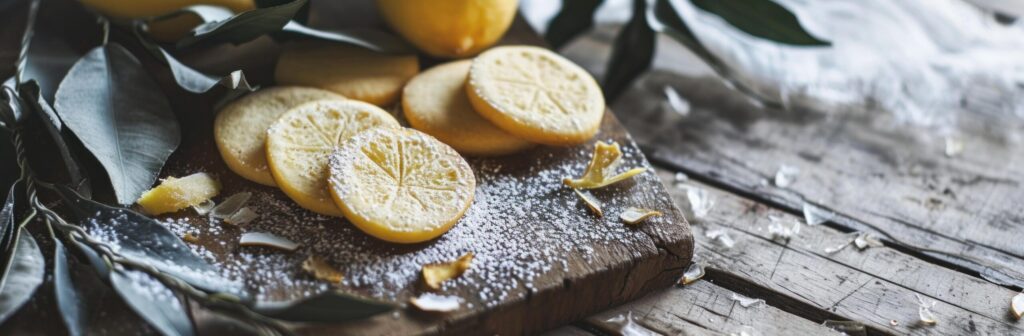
(542, 258)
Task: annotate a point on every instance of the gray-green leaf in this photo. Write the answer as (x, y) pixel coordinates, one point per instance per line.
(68, 301)
(762, 18)
(375, 40)
(146, 240)
(244, 27)
(153, 301)
(330, 306)
(632, 53)
(575, 17)
(188, 78)
(119, 113)
(23, 274)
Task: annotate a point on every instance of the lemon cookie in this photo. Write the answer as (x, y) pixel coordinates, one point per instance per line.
(435, 102)
(240, 129)
(353, 72)
(401, 185)
(536, 94)
(299, 143)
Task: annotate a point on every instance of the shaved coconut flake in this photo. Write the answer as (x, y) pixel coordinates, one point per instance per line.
(924, 310)
(592, 203)
(230, 206)
(814, 215)
(1017, 305)
(693, 273)
(954, 146)
(268, 240)
(721, 237)
(701, 201)
(785, 176)
(851, 328)
(435, 274)
(601, 170)
(320, 269)
(431, 302)
(744, 301)
(242, 216)
(675, 102)
(636, 215)
(204, 208)
(625, 325)
(865, 240)
(778, 229)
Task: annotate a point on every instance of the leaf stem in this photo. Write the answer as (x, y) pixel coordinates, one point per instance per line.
(26, 40)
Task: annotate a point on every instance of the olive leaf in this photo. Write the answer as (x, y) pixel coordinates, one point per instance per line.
(632, 52)
(145, 240)
(120, 115)
(69, 302)
(188, 78)
(153, 301)
(329, 306)
(762, 18)
(574, 18)
(243, 27)
(22, 275)
(375, 40)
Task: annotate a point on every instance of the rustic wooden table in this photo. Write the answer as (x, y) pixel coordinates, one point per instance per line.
(876, 175)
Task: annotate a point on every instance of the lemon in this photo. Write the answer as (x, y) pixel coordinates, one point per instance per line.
(299, 143)
(435, 102)
(535, 94)
(353, 72)
(165, 30)
(401, 185)
(174, 194)
(451, 28)
(240, 129)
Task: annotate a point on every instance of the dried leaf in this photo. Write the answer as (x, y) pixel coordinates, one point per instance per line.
(242, 216)
(190, 238)
(785, 176)
(320, 269)
(625, 325)
(268, 240)
(435, 274)
(592, 203)
(204, 208)
(744, 301)
(431, 302)
(636, 215)
(1017, 305)
(602, 166)
(230, 206)
(693, 273)
(721, 237)
(924, 311)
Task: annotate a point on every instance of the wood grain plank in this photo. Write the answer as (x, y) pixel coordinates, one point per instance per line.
(705, 305)
(876, 173)
(872, 286)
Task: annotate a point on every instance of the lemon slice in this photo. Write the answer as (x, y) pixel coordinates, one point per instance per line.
(174, 194)
(401, 185)
(435, 102)
(536, 94)
(240, 129)
(299, 143)
(353, 72)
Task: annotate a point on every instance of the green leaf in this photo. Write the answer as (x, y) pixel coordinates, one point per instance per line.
(762, 18)
(190, 79)
(375, 40)
(120, 115)
(69, 303)
(23, 274)
(49, 59)
(245, 26)
(632, 52)
(34, 102)
(145, 240)
(330, 306)
(7, 225)
(575, 17)
(153, 301)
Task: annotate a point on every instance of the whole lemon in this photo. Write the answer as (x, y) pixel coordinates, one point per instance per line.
(450, 28)
(165, 30)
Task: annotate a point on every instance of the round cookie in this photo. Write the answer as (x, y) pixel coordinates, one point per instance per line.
(353, 72)
(240, 129)
(435, 102)
(299, 143)
(536, 94)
